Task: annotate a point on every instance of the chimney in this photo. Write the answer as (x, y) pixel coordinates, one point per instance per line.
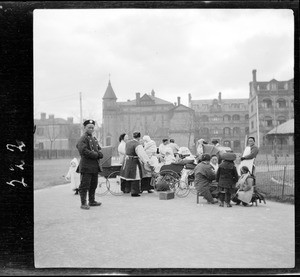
(178, 100)
(153, 93)
(51, 116)
(220, 96)
(43, 116)
(70, 120)
(190, 97)
(138, 97)
(254, 75)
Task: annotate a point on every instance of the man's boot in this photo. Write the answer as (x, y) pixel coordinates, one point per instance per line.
(84, 205)
(92, 201)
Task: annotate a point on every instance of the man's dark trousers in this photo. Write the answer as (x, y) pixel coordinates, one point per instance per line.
(89, 182)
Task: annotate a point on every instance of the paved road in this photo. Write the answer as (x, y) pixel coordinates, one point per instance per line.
(146, 232)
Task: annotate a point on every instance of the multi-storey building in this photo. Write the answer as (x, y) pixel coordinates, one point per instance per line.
(147, 114)
(270, 104)
(55, 133)
(226, 120)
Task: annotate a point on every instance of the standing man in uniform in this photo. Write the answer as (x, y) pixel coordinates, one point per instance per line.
(89, 167)
(131, 169)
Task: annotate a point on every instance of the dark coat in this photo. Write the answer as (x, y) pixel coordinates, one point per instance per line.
(204, 175)
(89, 150)
(227, 175)
(131, 161)
(253, 154)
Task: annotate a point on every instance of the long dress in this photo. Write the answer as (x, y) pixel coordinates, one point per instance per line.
(248, 163)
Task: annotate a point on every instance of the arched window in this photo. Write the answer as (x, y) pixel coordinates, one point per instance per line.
(247, 117)
(281, 119)
(215, 118)
(267, 103)
(268, 121)
(235, 117)
(226, 131)
(226, 118)
(281, 103)
(204, 130)
(215, 131)
(236, 130)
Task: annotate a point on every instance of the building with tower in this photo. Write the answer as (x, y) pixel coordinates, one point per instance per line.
(148, 114)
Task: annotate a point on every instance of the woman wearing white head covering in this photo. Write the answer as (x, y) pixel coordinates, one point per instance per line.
(149, 146)
(150, 149)
(200, 151)
(73, 176)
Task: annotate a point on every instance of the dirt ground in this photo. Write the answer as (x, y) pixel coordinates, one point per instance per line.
(145, 232)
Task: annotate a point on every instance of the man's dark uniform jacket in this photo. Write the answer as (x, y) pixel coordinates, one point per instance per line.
(89, 150)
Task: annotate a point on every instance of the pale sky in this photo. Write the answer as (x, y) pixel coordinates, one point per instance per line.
(173, 51)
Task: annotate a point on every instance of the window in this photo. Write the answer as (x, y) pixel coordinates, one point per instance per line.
(292, 103)
(252, 125)
(281, 103)
(247, 117)
(236, 130)
(247, 130)
(281, 86)
(40, 131)
(204, 130)
(226, 131)
(267, 103)
(252, 108)
(268, 121)
(273, 87)
(235, 117)
(280, 120)
(215, 131)
(226, 118)
(215, 118)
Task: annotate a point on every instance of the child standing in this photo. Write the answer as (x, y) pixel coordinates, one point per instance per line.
(73, 176)
(226, 177)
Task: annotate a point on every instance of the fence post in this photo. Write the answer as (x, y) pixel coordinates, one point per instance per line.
(267, 162)
(284, 170)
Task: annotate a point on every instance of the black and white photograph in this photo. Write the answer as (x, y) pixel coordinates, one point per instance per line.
(163, 139)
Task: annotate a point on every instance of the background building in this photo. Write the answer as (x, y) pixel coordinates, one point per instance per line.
(148, 114)
(55, 133)
(271, 103)
(224, 119)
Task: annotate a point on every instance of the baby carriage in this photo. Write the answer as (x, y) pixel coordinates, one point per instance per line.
(174, 177)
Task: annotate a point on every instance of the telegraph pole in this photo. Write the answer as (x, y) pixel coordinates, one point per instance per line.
(80, 99)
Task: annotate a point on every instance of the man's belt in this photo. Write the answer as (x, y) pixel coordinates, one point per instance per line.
(134, 157)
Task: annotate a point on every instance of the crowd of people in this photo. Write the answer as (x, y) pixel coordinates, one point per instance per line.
(216, 176)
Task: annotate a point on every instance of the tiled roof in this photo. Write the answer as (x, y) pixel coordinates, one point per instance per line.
(109, 93)
(50, 121)
(284, 128)
(209, 101)
(157, 101)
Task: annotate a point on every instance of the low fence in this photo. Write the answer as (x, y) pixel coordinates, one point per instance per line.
(276, 181)
(275, 177)
(55, 154)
